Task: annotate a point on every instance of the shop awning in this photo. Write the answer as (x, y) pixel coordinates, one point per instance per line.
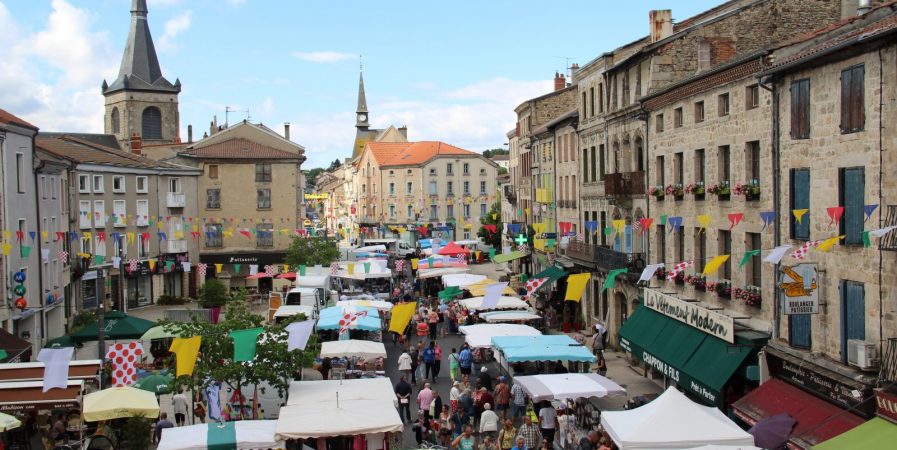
(480, 335)
(15, 348)
(17, 396)
(876, 433)
(817, 419)
(117, 325)
(694, 360)
(505, 257)
(555, 347)
(553, 273)
(87, 369)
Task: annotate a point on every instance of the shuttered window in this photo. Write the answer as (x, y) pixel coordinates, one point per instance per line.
(800, 199)
(853, 314)
(853, 116)
(852, 190)
(152, 123)
(800, 109)
(799, 329)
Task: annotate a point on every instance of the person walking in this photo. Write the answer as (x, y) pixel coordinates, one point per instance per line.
(433, 323)
(403, 394)
(180, 404)
(429, 357)
(467, 405)
(602, 365)
(465, 360)
(445, 426)
(518, 401)
(488, 422)
(162, 424)
(424, 398)
(415, 361)
(530, 433)
(502, 397)
(507, 435)
(437, 364)
(455, 396)
(436, 405)
(465, 441)
(406, 365)
(484, 378)
(548, 421)
(454, 368)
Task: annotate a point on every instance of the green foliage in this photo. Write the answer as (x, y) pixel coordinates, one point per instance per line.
(312, 251)
(495, 151)
(213, 294)
(490, 238)
(166, 299)
(502, 170)
(273, 363)
(135, 432)
(83, 318)
(311, 175)
(335, 164)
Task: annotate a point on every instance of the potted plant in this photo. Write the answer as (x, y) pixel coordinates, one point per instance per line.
(750, 295)
(657, 192)
(675, 190)
(724, 289)
(697, 189)
(212, 296)
(661, 274)
(749, 190)
(679, 278)
(721, 190)
(698, 281)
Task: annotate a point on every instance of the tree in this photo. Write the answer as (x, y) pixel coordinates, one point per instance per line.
(335, 164)
(213, 294)
(489, 237)
(311, 175)
(495, 151)
(273, 363)
(311, 251)
(502, 170)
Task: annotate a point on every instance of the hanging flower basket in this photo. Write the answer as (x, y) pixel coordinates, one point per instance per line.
(697, 189)
(657, 192)
(675, 190)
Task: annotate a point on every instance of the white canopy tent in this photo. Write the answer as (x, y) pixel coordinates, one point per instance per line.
(433, 273)
(480, 335)
(461, 280)
(672, 421)
(353, 348)
(292, 310)
(377, 269)
(376, 304)
(476, 303)
(317, 391)
(370, 249)
(312, 281)
(509, 316)
(248, 434)
(565, 386)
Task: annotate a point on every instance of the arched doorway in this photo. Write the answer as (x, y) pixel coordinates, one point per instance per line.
(639, 154)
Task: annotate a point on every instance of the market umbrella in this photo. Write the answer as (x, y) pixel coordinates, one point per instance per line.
(258, 276)
(158, 332)
(8, 422)
(61, 341)
(772, 431)
(155, 383)
(117, 402)
(287, 276)
(453, 249)
(450, 292)
(117, 325)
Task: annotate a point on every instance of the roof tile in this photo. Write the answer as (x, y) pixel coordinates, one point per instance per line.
(84, 151)
(412, 153)
(9, 118)
(239, 148)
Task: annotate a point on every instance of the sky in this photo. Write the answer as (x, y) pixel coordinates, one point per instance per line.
(449, 71)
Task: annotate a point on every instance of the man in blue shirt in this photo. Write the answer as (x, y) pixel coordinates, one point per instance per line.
(430, 360)
(465, 360)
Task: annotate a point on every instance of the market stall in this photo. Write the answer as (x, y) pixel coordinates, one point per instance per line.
(425, 273)
(531, 355)
(672, 421)
(480, 335)
(317, 391)
(476, 303)
(379, 305)
(329, 318)
(567, 386)
(478, 289)
(286, 311)
(23, 396)
(353, 348)
(462, 280)
(118, 402)
(509, 316)
(244, 434)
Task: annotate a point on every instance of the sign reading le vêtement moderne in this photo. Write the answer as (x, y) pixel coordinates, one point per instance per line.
(708, 321)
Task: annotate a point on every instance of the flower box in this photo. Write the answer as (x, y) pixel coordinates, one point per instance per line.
(656, 192)
(697, 281)
(675, 191)
(750, 191)
(661, 274)
(696, 189)
(750, 295)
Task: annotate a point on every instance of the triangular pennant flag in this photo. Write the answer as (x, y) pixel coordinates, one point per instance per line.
(367, 267)
(882, 231)
(767, 217)
(649, 271)
(868, 210)
(802, 251)
(608, 231)
(237, 268)
(645, 223)
(219, 267)
(186, 350)
(492, 295)
(713, 265)
(253, 269)
(663, 219)
(610, 281)
(619, 226)
(735, 219)
(301, 270)
(834, 215)
(704, 222)
(866, 241)
(675, 223)
(414, 262)
(576, 285)
(186, 266)
(245, 343)
(350, 268)
(747, 257)
(827, 244)
(799, 214)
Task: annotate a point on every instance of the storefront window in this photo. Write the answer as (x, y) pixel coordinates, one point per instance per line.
(174, 284)
(140, 291)
(90, 292)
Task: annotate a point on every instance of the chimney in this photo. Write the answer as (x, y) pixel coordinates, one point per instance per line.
(286, 130)
(863, 6)
(661, 23)
(189, 134)
(560, 81)
(136, 144)
(404, 131)
(573, 70)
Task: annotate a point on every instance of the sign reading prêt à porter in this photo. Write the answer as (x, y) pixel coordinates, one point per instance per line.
(708, 321)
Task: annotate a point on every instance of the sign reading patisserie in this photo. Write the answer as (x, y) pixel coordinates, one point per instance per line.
(708, 321)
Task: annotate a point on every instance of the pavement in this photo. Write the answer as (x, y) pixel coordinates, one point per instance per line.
(618, 367)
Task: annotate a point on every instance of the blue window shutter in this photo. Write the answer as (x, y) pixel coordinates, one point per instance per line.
(853, 193)
(628, 243)
(800, 199)
(799, 330)
(853, 314)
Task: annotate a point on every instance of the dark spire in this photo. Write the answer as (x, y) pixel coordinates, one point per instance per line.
(362, 101)
(139, 65)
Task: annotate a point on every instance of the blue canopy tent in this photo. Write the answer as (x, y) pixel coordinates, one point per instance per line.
(554, 347)
(329, 318)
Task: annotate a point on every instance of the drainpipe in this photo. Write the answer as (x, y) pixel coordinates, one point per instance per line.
(776, 193)
(880, 193)
(40, 272)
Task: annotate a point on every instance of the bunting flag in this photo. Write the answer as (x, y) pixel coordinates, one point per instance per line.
(649, 271)
(269, 270)
(565, 227)
(827, 244)
(219, 268)
(882, 231)
(580, 237)
(116, 262)
(645, 224)
(608, 231)
(56, 366)
(124, 359)
(237, 268)
(299, 334)
(489, 228)
(679, 267)
(334, 269)
(98, 259)
(401, 316)
(591, 226)
(735, 219)
(704, 222)
(675, 223)
(619, 226)
(64, 255)
(747, 257)
(799, 214)
(6, 247)
(132, 264)
(245, 343)
(492, 294)
(663, 219)
(533, 285)
(491, 254)
(202, 269)
(576, 285)
(186, 350)
(767, 217)
(302, 269)
(834, 215)
(610, 281)
(185, 265)
(713, 265)
(349, 320)
(414, 262)
(868, 210)
(802, 251)
(367, 267)
(253, 269)
(350, 268)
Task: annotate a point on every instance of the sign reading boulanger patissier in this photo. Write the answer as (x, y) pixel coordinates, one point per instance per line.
(708, 321)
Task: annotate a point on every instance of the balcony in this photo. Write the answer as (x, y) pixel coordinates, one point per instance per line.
(177, 200)
(624, 184)
(175, 246)
(510, 194)
(606, 258)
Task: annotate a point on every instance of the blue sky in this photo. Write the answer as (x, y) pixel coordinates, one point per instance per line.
(450, 71)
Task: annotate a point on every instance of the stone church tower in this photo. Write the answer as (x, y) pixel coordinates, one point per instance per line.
(141, 102)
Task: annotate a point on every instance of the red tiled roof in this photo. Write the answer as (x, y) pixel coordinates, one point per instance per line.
(239, 148)
(412, 153)
(9, 118)
(84, 151)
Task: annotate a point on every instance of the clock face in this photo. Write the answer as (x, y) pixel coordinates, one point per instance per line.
(362, 117)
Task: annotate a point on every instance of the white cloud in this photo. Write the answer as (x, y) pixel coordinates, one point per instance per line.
(236, 2)
(51, 76)
(173, 27)
(324, 57)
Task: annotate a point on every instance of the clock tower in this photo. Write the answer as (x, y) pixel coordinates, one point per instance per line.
(361, 117)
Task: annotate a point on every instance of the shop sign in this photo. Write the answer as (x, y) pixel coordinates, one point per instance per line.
(804, 376)
(143, 269)
(681, 379)
(708, 321)
(800, 289)
(244, 258)
(886, 405)
(321, 196)
(48, 406)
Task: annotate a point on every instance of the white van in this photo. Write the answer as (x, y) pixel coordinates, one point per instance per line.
(287, 311)
(399, 248)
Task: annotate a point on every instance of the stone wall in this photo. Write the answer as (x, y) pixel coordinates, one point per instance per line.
(130, 107)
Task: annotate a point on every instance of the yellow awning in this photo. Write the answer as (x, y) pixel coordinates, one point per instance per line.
(117, 402)
(478, 289)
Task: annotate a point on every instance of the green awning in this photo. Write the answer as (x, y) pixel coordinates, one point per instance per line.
(876, 433)
(117, 325)
(691, 358)
(505, 257)
(553, 273)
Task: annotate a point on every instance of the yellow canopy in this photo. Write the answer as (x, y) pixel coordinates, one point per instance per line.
(8, 422)
(478, 289)
(117, 402)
